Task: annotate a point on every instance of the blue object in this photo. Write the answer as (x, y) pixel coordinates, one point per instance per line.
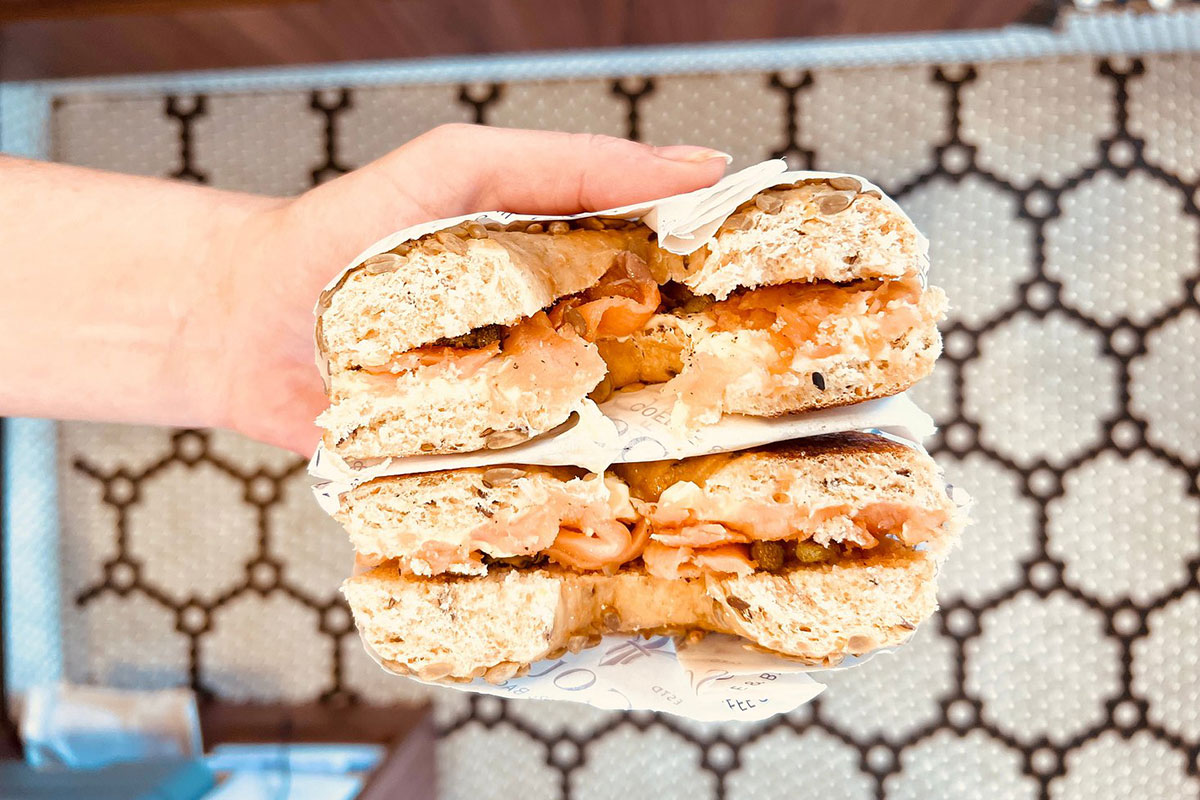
(167, 779)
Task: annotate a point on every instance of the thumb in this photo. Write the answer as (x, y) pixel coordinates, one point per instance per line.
(463, 168)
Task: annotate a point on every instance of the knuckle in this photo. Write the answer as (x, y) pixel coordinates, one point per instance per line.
(451, 133)
(599, 142)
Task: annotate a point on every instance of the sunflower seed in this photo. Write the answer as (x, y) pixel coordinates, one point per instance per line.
(384, 262)
(559, 227)
(633, 265)
(451, 242)
(576, 643)
(404, 248)
(739, 222)
(575, 319)
(769, 203)
(503, 439)
(860, 644)
(435, 671)
(397, 667)
(499, 476)
(476, 231)
(610, 618)
(501, 672)
(873, 193)
(833, 203)
(845, 183)
(535, 227)
(591, 224)
(428, 447)
(324, 300)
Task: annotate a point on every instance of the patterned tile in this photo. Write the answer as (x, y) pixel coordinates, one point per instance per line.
(302, 658)
(892, 696)
(1163, 667)
(138, 138)
(1161, 112)
(732, 113)
(1136, 268)
(947, 765)
(624, 761)
(882, 123)
(311, 547)
(1065, 662)
(201, 556)
(1110, 766)
(786, 763)
(1054, 397)
(376, 121)
(1166, 383)
(131, 644)
(551, 719)
(1111, 547)
(589, 106)
(1038, 119)
(263, 143)
(979, 251)
(478, 763)
(1001, 538)
(1043, 667)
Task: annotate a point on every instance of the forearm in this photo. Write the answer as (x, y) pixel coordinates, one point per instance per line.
(115, 290)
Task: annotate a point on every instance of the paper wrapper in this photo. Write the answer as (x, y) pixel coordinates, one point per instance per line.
(631, 427)
(716, 678)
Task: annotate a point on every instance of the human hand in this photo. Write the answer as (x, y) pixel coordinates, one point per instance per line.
(286, 253)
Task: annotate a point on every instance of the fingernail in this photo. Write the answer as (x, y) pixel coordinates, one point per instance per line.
(691, 153)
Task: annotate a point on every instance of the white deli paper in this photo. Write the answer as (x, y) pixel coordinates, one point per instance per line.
(717, 677)
(630, 427)
(627, 673)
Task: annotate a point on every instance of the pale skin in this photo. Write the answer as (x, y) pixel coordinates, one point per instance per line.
(129, 299)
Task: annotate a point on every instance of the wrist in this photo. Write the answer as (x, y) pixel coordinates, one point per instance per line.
(231, 292)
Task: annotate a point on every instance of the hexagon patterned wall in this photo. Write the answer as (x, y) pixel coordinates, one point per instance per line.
(1061, 198)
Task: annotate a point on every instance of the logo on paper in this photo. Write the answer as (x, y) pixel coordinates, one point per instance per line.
(630, 651)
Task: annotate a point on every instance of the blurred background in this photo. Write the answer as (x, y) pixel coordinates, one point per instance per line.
(1049, 150)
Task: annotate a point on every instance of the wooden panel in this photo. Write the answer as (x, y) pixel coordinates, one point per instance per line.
(225, 723)
(12, 10)
(208, 34)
